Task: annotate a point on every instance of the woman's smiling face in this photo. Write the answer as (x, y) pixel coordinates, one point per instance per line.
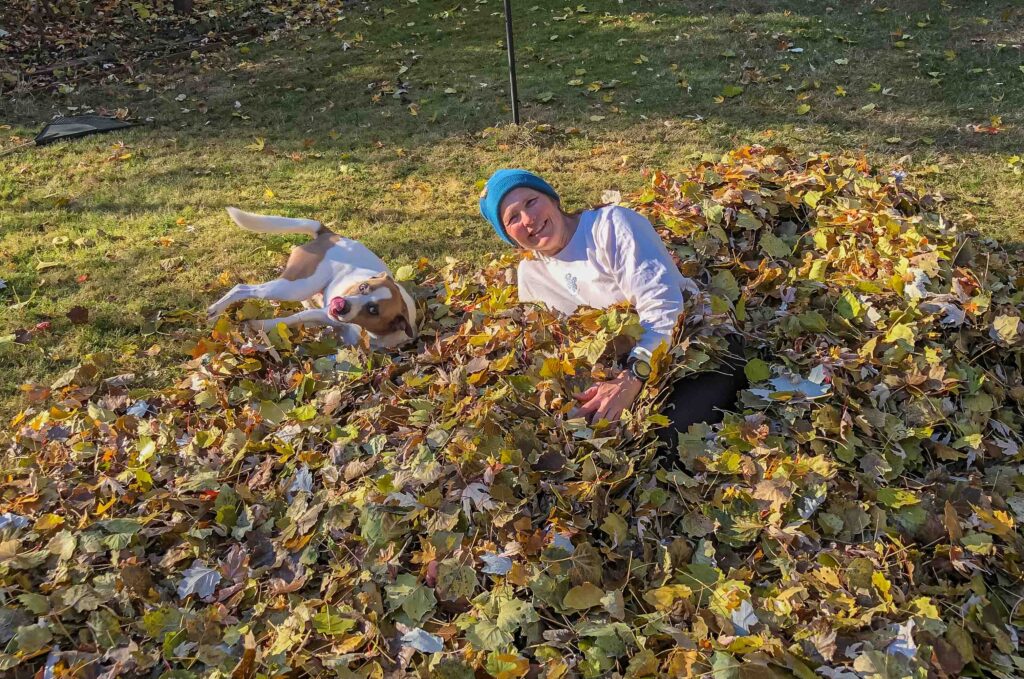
(535, 221)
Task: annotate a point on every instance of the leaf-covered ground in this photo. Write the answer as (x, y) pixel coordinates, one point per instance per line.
(54, 45)
(286, 508)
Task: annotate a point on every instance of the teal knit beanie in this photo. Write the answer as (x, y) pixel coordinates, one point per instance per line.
(499, 186)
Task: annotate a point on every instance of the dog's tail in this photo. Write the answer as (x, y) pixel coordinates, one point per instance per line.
(269, 224)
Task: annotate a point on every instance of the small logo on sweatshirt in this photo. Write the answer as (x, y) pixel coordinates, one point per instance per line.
(572, 284)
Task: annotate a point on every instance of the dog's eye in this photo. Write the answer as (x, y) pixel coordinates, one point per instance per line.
(372, 309)
(364, 288)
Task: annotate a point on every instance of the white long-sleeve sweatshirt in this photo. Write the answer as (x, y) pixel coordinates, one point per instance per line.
(614, 256)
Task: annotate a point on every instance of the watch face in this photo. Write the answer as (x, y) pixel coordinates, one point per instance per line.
(642, 369)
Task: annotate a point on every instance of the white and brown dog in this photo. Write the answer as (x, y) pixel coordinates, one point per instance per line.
(357, 288)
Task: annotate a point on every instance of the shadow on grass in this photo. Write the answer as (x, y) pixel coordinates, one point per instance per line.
(674, 56)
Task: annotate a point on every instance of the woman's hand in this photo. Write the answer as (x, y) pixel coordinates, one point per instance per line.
(607, 400)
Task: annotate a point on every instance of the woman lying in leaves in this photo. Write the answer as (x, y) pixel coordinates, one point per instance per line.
(600, 258)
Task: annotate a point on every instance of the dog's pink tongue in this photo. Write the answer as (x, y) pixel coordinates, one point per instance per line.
(338, 306)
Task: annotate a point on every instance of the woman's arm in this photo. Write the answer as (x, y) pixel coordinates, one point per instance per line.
(647, 276)
(649, 279)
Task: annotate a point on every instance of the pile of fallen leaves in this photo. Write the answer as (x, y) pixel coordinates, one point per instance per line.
(56, 44)
(288, 507)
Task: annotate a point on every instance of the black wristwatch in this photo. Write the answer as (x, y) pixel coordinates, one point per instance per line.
(639, 368)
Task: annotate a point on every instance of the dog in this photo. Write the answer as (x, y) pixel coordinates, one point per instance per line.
(358, 291)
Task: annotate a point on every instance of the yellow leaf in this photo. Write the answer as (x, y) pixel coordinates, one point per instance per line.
(504, 363)
(998, 522)
(925, 608)
(102, 508)
(48, 522)
(520, 666)
(551, 368)
(268, 194)
(829, 576)
(665, 598)
(900, 331)
(747, 644)
(883, 585)
(556, 669)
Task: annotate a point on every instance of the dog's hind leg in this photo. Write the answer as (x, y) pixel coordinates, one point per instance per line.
(278, 289)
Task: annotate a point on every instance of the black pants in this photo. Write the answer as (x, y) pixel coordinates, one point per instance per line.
(702, 397)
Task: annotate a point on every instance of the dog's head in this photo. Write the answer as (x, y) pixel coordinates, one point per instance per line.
(379, 305)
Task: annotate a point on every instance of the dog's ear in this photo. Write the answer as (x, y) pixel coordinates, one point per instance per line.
(402, 323)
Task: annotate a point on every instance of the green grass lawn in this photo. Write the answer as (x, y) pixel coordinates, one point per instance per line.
(383, 122)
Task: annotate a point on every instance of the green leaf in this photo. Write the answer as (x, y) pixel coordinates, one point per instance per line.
(756, 370)
(419, 603)
(206, 399)
(37, 603)
(126, 526)
(583, 597)
(713, 212)
(160, 620)
(486, 636)
(732, 91)
(615, 527)
(849, 306)
(725, 284)
(813, 321)
(896, 498)
(773, 246)
(30, 639)
(304, 413)
(62, 545)
(272, 412)
(455, 580)
(515, 613)
(724, 666)
(331, 621)
(696, 524)
(745, 219)
(803, 109)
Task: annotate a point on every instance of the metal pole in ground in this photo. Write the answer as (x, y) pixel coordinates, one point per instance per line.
(511, 61)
